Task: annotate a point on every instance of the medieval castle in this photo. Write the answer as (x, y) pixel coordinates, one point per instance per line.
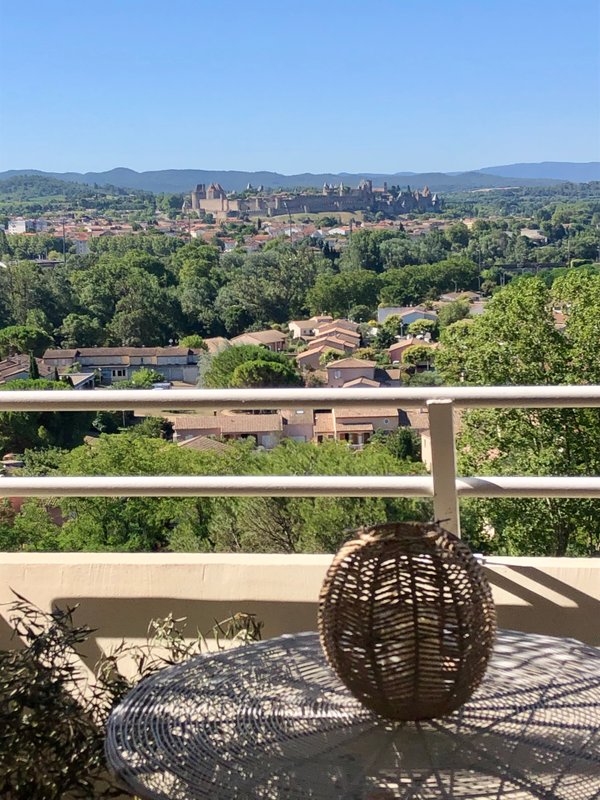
(334, 199)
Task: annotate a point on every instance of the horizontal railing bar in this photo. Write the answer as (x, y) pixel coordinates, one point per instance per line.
(293, 486)
(528, 486)
(219, 399)
(210, 486)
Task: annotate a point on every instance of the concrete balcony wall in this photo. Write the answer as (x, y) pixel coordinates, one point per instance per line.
(120, 593)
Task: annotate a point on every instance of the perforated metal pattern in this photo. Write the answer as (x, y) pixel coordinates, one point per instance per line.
(272, 720)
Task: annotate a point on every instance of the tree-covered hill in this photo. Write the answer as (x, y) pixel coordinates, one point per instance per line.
(30, 194)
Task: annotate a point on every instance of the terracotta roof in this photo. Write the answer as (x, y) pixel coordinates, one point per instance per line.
(362, 382)
(234, 423)
(418, 419)
(337, 331)
(334, 340)
(320, 349)
(186, 422)
(90, 352)
(251, 423)
(60, 354)
(80, 377)
(264, 337)
(356, 427)
(216, 344)
(204, 444)
(358, 413)
(351, 363)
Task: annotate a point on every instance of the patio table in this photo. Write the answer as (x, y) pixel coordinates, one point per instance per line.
(273, 720)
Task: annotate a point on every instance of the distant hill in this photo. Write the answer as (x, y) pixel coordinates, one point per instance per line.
(183, 180)
(557, 170)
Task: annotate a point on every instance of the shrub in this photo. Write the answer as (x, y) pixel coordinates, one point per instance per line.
(53, 718)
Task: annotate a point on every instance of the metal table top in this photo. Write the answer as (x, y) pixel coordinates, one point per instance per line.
(272, 720)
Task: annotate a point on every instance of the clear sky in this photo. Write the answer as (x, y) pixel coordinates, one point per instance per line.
(311, 86)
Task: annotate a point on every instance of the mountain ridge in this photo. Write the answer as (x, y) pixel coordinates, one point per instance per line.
(183, 180)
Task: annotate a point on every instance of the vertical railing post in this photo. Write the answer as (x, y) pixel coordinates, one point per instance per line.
(443, 464)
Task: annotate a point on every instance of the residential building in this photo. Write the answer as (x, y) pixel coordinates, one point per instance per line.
(305, 328)
(397, 350)
(20, 225)
(266, 429)
(354, 425)
(407, 314)
(342, 372)
(115, 364)
(335, 342)
(311, 358)
(14, 368)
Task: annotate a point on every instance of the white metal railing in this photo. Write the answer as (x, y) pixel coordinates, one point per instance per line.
(443, 485)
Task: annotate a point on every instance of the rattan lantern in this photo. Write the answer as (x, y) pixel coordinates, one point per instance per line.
(406, 620)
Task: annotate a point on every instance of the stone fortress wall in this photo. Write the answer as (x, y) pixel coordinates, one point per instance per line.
(332, 199)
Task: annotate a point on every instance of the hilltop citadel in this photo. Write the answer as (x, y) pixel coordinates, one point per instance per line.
(364, 197)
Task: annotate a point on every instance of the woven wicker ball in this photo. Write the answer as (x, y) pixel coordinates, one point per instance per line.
(407, 620)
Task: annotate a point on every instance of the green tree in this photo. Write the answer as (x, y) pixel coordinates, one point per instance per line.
(34, 370)
(458, 235)
(452, 312)
(306, 524)
(223, 365)
(21, 339)
(420, 327)
(337, 294)
(364, 250)
(81, 330)
(142, 378)
(259, 374)
(194, 341)
(418, 354)
(403, 443)
(516, 342)
(20, 430)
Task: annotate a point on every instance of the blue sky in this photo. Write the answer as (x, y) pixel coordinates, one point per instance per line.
(319, 85)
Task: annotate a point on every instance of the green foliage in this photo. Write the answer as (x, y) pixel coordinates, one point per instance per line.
(34, 370)
(412, 285)
(51, 744)
(403, 443)
(54, 718)
(81, 330)
(308, 524)
(257, 374)
(20, 430)
(329, 355)
(364, 250)
(422, 326)
(429, 377)
(23, 339)
(418, 354)
(337, 294)
(223, 365)
(194, 341)
(452, 312)
(207, 524)
(142, 378)
(516, 342)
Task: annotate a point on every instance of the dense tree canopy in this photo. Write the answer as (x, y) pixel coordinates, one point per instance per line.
(206, 524)
(243, 364)
(20, 430)
(517, 342)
